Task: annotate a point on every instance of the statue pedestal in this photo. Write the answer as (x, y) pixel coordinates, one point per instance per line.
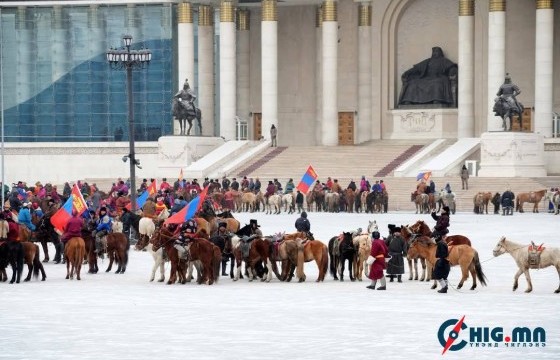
(511, 154)
(424, 123)
(177, 152)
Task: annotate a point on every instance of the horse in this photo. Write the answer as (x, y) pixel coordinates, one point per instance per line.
(422, 229)
(363, 244)
(319, 199)
(481, 200)
(46, 233)
(209, 255)
(248, 201)
(409, 236)
(290, 253)
(421, 202)
(164, 239)
(532, 197)
(341, 249)
(332, 201)
(313, 250)
(89, 239)
(74, 253)
(463, 255)
(253, 252)
(349, 199)
(144, 243)
(288, 202)
(506, 110)
(31, 259)
(12, 253)
(225, 244)
(186, 113)
(117, 250)
(529, 257)
(273, 201)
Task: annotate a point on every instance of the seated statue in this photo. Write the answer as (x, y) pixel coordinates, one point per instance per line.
(432, 81)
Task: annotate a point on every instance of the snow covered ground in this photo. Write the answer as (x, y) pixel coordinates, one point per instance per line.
(110, 316)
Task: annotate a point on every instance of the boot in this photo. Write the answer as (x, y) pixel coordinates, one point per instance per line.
(383, 284)
(443, 284)
(224, 266)
(399, 278)
(443, 290)
(391, 278)
(372, 285)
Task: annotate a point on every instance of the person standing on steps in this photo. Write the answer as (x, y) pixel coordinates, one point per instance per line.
(273, 134)
(465, 178)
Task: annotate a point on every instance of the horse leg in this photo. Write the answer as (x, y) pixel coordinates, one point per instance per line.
(269, 267)
(350, 264)
(410, 269)
(67, 270)
(190, 127)
(423, 263)
(111, 259)
(154, 268)
(29, 270)
(45, 247)
(558, 270)
(161, 268)
(529, 282)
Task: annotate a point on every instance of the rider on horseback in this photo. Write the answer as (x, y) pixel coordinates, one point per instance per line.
(186, 97)
(442, 223)
(24, 217)
(188, 232)
(103, 228)
(506, 103)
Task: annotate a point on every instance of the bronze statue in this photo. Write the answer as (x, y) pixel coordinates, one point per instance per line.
(432, 81)
(506, 104)
(184, 108)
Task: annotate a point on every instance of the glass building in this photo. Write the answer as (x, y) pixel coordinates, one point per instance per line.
(58, 86)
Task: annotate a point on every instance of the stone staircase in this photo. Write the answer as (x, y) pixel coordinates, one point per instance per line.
(269, 155)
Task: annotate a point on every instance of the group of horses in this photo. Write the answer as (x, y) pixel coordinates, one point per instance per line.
(426, 203)
(315, 200)
(482, 199)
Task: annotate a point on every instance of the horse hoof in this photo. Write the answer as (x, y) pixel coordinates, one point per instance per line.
(26, 280)
(107, 270)
(433, 287)
(67, 277)
(46, 260)
(557, 291)
(473, 287)
(528, 290)
(43, 279)
(161, 280)
(459, 286)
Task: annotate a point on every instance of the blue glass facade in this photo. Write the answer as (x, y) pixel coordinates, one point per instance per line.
(57, 83)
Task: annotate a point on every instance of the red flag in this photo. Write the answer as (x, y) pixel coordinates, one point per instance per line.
(75, 202)
(188, 211)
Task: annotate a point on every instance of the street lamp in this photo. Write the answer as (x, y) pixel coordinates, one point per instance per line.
(130, 59)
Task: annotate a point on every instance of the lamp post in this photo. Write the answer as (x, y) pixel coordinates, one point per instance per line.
(130, 59)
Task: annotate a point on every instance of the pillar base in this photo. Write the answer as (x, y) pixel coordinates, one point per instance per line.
(512, 154)
(177, 152)
(422, 124)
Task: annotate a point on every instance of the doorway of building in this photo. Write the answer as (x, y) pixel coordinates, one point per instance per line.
(257, 126)
(346, 128)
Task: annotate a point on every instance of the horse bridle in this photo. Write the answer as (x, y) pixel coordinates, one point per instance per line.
(169, 239)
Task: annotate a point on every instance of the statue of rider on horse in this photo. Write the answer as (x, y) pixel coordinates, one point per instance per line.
(506, 104)
(184, 108)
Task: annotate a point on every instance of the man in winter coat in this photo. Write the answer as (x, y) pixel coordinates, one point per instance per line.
(299, 201)
(379, 253)
(289, 187)
(465, 177)
(336, 187)
(442, 223)
(102, 229)
(441, 267)
(352, 185)
(302, 224)
(270, 189)
(507, 202)
(234, 184)
(397, 251)
(24, 217)
(72, 229)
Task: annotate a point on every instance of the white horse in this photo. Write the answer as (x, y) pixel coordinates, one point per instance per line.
(372, 226)
(363, 244)
(117, 226)
(520, 253)
(288, 202)
(273, 201)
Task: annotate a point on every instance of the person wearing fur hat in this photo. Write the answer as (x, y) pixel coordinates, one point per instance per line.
(397, 251)
(376, 262)
(442, 223)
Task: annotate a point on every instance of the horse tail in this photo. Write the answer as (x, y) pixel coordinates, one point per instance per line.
(324, 262)
(275, 270)
(36, 263)
(478, 268)
(332, 265)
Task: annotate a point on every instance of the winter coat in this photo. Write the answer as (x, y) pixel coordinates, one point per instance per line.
(257, 186)
(73, 228)
(104, 223)
(464, 174)
(397, 250)
(299, 198)
(379, 251)
(376, 188)
(442, 222)
(289, 187)
(441, 267)
(507, 199)
(352, 186)
(270, 190)
(432, 188)
(336, 188)
(149, 208)
(24, 217)
(13, 231)
(235, 185)
(364, 185)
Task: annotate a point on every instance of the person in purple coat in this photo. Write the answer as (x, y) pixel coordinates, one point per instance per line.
(379, 253)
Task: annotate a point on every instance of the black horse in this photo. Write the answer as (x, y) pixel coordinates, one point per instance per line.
(341, 249)
(44, 234)
(186, 112)
(12, 253)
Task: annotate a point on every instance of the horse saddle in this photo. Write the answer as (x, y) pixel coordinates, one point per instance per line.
(535, 252)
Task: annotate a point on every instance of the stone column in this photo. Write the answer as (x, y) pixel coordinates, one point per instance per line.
(544, 66)
(496, 57)
(206, 68)
(243, 64)
(364, 72)
(318, 75)
(227, 70)
(269, 67)
(465, 93)
(185, 46)
(329, 127)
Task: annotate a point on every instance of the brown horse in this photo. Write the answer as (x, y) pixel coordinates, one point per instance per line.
(74, 253)
(290, 253)
(481, 201)
(253, 252)
(421, 228)
(534, 197)
(463, 255)
(164, 238)
(409, 236)
(117, 250)
(349, 199)
(318, 251)
(421, 202)
(31, 258)
(209, 255)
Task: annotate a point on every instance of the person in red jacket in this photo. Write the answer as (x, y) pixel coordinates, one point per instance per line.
(379, 253)
(73, 228)
(13, 227)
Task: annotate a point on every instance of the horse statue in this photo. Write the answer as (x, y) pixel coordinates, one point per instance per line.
(184, 109)
(506, 105)
(529, 257)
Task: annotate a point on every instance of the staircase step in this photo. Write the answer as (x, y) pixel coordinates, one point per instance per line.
(263, 160)
(398, 161)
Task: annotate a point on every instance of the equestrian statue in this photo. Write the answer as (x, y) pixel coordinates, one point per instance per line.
(506, 104)
(185, 110)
